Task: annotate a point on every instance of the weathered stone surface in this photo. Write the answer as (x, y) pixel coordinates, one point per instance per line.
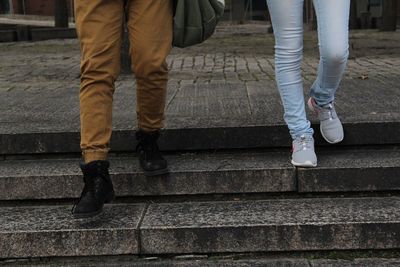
(353, 170)
(219, 96)
(211, 173)
(356, 263)
(202, 138)
(191, 173)
(212, 262)
(207, 137)
(274, 225)
(49, 231)
(182, 263)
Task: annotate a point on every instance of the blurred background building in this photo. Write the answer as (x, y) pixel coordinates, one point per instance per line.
(365, 13)
(31, 7)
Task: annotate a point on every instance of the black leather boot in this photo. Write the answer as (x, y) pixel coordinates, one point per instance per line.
(150, 158)
(97, 191)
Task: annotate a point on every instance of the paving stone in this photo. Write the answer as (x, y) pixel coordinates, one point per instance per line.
(264, 100)
(224, 115)
(36, 76)
(49, 231)
(272, 225)
(196, 173)
(353, 170)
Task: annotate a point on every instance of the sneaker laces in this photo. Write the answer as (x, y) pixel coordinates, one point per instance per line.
(328, 112)
(302, 143)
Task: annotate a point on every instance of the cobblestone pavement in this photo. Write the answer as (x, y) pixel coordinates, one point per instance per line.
(232, 74)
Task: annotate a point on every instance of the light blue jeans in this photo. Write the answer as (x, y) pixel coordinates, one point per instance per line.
(333, 36)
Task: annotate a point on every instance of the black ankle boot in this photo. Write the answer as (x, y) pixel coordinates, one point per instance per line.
(97, 191)
(150, 158)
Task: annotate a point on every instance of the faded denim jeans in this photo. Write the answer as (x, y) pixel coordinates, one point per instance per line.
(333, 35)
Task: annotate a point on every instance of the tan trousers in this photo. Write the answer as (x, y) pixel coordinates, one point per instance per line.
(99, 26)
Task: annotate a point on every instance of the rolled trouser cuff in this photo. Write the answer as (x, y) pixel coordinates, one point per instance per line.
(94, 155)
(150, 122)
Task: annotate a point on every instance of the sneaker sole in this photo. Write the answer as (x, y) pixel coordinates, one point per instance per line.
(327, 140)
(304, 165)
(311, 107)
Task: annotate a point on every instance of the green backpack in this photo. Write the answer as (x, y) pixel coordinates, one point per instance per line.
(195, 20)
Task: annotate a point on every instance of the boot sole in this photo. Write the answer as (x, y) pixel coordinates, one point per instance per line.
(108, 199)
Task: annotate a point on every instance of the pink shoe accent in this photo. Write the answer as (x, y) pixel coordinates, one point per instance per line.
(312, 105)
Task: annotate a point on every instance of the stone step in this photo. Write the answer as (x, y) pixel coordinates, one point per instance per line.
(202, 261)
(199, 116)
(345, 170)
(272, 225)
(203, 228)
(199, 135)
(234, 172)
(191, 174)
(29, 232)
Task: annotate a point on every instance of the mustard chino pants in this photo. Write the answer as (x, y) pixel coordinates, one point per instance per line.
(99, 27)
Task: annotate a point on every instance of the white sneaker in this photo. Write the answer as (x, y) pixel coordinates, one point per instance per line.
(303, 152)
(330, 125)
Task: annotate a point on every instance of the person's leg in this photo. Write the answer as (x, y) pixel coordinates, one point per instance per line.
(287, 21)
(150, 30)
(99, 29)
(333, 35)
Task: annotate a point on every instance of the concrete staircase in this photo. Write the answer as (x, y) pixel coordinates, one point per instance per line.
(225, 201)
(232, 198)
